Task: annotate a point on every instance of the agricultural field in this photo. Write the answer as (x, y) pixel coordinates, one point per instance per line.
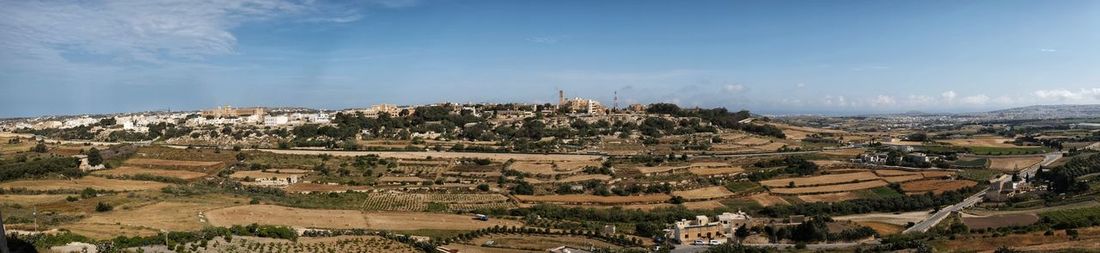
(707, 193)
(203, 166)
(552, 167)
(84, 182)
(997, 221)
(500, 157)
(324, 218)
(765, 199)
(594, 199)
(829, 197)
(365, 244)
(821, 180)
(28, 200)
(133, 171)
(830, 188)
(710, 171)
(184, 214)
(935, 186)
(982, 141)
(540, 242)
(1013, 164)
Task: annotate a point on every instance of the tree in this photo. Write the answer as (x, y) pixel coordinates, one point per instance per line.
(103, 207)
(94, 158)
(523, 188)
(676, 200)
(483, 187)
(88, 193)
(1072, 233)
(40, 148)
(741, 232)
(241, 156)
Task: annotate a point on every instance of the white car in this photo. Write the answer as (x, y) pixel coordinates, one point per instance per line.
(699, 242)
(715, 242)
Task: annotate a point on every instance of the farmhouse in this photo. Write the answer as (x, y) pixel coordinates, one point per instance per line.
(686, 231)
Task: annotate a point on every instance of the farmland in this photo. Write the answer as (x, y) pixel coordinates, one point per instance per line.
(320, 218)
(133, 171)
(594, 199)
(1013, 164)
(85, 182)
(713, 192)
(936, 186)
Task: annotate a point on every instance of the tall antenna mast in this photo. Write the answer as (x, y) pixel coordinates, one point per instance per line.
(616, 107)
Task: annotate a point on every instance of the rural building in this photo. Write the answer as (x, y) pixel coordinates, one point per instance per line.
(686, 231)
(230, 112)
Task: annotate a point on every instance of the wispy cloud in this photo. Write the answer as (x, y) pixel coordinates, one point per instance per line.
(733, 88)
(1048, 50)
(546, 39)
(150, 31)
(1064, 94)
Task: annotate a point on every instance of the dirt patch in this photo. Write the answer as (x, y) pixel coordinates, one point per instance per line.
(84, 182)
(594, 199)
(998, 221)
(831, 188)
(936, 186)
(131, 171)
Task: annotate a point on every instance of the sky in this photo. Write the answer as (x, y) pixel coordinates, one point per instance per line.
(778, 57)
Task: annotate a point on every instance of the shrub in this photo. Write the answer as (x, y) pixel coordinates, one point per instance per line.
(103, 207)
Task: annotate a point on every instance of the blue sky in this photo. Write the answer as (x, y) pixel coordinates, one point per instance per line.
(73, 57)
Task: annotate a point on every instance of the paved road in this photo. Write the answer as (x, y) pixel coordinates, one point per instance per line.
(927, 224)
(1047, 160)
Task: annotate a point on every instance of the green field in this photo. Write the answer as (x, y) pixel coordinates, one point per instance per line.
(880, 192)
(980, 175)
(976, 163)
(1008, 151)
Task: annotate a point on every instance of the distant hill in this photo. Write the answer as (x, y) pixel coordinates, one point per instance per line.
(1046, 112)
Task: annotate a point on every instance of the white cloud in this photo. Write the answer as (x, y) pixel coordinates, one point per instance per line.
(920, 100)
(1048, 50)
(883, 100)
(976, 99)
(949, 95)
(800, 85)
(1064, 94)
(150, 31)
(733, 88)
